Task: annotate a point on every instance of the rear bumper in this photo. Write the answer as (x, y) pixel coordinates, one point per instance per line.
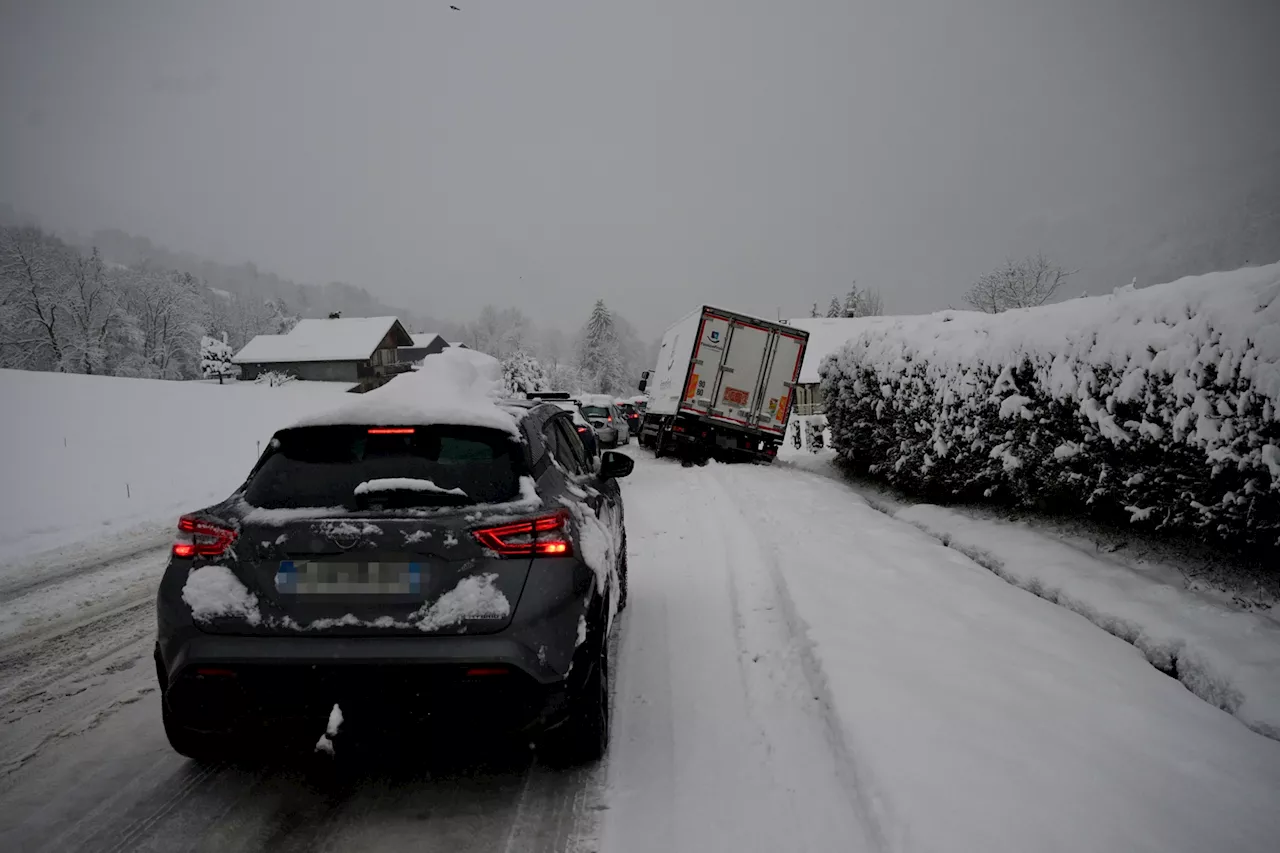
(227, 693)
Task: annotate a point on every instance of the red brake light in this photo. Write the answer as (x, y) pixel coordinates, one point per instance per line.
(390, 430)
(546, 535)
(197, 537)
(487, 670)
(582, 429)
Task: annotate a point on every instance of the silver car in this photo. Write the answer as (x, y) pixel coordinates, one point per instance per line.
(609, 423)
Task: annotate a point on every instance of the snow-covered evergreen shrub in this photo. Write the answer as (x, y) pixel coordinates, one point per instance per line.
(1158, 406)
(522, 373)
(215, 357)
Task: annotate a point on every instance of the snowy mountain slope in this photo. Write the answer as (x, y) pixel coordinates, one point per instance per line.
(86, 457)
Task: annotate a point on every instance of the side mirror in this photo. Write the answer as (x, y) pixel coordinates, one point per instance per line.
(644, 380)
(614, 465)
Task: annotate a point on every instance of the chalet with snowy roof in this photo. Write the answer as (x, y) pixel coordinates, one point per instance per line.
(424, 344)
(826, 336)
(362, 350)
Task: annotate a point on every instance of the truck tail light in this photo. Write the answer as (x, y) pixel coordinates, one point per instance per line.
(200, 538)
(546, 536)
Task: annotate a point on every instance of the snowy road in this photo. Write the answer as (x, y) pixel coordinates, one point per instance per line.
(795, 672)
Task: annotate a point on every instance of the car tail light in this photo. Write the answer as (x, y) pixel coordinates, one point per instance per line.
(546, 535)
(200, 538)
(476, 671)
(391, 430)
(581, 430)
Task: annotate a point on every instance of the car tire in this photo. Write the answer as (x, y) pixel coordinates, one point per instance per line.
(583, 737)
(201, 747)
(622, 576)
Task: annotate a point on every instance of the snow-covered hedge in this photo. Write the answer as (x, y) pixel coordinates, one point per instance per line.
(1158, 406)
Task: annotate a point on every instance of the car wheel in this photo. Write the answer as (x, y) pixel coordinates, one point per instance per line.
(202, 747)
(583, 738)
(622, 576)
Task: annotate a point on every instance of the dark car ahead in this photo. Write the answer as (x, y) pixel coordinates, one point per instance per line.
(413, 574)
(631, 414)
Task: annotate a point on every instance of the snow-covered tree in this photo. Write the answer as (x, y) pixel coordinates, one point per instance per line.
(599, 354)
(215, 357)
(1017, 284)
(834, 309)
(522, 374)
(813, 312)
(565, 377)
(33, 285)
(862, 302)
(499, 332)
(101, 331)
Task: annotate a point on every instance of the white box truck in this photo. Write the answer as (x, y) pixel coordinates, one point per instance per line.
(723, 386)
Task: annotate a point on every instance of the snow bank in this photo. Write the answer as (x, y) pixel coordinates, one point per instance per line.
(86, 457)
(1158, 406)
(455, 386)
(1228, 657)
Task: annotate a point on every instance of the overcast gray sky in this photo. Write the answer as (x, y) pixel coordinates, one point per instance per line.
(754, 153)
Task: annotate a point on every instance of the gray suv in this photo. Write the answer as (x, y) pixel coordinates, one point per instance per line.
(414, 574)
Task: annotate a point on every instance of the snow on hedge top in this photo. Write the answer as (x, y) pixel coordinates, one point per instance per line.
(461, 387)
(337, 339)
(1228, 322)
(826, 335)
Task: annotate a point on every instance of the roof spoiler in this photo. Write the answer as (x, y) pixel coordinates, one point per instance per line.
(548, 395)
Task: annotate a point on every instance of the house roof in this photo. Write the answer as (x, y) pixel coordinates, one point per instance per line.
(826, 335)
(340, 339)
(424, 339)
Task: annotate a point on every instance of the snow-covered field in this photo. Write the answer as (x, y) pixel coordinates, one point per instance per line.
(795, 671)
(94, 457)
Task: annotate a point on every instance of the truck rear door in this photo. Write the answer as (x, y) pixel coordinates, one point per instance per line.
(736, 395)
(779, 383)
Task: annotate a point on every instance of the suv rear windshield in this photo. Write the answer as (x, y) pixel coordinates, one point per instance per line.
(322, 466)
(595, 411)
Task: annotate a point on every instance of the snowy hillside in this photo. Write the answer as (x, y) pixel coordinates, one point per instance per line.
(87, 456)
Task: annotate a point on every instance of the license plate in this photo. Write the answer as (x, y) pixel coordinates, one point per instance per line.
(311, 577)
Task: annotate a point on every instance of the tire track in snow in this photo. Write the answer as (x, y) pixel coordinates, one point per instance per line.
(797, 659)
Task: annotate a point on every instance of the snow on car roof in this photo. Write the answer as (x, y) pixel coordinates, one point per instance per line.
(572, 407)
(338, 339)
(460, 387)
(596, 400)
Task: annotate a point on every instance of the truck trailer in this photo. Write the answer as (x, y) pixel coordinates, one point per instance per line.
(723, 387)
